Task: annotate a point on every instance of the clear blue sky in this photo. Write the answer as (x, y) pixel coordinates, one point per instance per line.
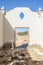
(21, 29)
(32, 4)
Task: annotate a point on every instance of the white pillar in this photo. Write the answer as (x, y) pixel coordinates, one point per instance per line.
(3, 10)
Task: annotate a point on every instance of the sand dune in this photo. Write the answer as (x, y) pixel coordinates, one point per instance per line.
(21, 40)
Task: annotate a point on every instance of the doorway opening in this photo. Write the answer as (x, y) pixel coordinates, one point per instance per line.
(22, 37)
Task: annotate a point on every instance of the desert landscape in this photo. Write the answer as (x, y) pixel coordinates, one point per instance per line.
(22, 37)
(20, 40)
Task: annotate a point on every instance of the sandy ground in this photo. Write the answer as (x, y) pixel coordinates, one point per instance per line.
(20, 40)
(36, 52)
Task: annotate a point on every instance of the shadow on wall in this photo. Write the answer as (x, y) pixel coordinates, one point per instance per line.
(9, 33)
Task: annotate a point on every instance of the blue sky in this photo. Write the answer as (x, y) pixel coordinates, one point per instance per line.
(32, 4)
(22, 29)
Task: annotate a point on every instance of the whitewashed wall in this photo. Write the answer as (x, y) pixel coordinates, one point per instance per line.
(31, 20)
(8, 31)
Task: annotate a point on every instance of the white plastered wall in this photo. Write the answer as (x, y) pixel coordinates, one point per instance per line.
(8, 32)
(31, 20)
